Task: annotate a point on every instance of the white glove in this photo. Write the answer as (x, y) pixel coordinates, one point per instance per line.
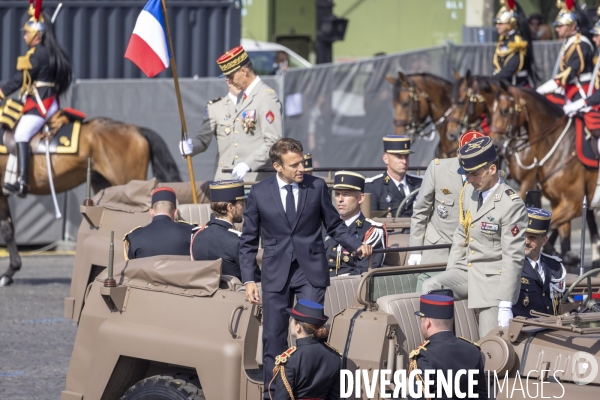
(414, 259)
(574, 106)
(505, 313)
(186, 147)
(547, 87)
(240, 170)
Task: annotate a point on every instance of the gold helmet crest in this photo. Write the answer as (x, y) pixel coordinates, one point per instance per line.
(567, 14)
(507, 13)
(36, 23)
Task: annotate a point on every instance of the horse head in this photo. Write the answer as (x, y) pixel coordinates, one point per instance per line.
(507, 116)
(467, 106)
(410, 105)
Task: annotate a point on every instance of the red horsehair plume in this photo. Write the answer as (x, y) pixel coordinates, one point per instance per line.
(510, 4)
(38, 9)
(570, 4)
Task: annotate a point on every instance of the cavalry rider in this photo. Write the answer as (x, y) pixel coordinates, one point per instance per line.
(513, 59)
(575, 64)
(43, 74)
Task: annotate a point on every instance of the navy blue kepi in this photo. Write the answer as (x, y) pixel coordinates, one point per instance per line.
(308, 311)
(436, 306)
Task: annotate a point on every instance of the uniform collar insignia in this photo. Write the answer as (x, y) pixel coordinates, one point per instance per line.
(386, 179)
(525, 281)
(358, 222)
(388, 198)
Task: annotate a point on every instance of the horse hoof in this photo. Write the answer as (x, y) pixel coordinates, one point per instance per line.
(5, 281)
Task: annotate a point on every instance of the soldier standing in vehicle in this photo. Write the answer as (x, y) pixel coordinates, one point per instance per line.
(219, 238)
(311, 369)
(163, 236)
(487, 251)
(442, 351)
(349, 190)
(389, 189)
(218, 121)
(543, 276)
(436, 213)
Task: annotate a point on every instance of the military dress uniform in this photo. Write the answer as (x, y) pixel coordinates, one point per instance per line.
(218, 238)
(487, 251)
(256, 123)
(385, 195)
(371, 232)
(575, 61)
(311, 369)
(443, 351)
(162, 236)
(540, 292)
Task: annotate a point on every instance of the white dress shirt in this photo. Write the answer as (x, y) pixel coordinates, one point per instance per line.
(404, 183)
(248, 90)
(283, 191)
(232, 97)
(536, 265)
(351, 220)
(487, 193)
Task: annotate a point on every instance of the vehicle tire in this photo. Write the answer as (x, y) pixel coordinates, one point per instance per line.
(165, 387)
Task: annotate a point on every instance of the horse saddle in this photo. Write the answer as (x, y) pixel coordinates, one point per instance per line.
(587, 132)
(64, 128)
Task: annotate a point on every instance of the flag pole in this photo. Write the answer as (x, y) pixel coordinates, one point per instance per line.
(179, 102)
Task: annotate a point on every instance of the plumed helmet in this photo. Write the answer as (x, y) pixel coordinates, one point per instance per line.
(507, 13)
(567, 13)
(35, 24)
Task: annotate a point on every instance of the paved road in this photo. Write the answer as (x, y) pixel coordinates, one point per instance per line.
(36, 341)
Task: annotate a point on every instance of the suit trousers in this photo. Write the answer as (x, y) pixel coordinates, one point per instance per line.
(276, 319)
(457, 279)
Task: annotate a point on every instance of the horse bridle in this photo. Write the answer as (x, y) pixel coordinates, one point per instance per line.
(473, 97)
(412, 125)
(512, 131)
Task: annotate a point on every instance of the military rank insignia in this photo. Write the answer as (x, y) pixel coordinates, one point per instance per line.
(524, 281)
(270, 117)
(526, 301)
(388, 198)
(446, 191)
(486, 226)
(515, 230)
(512, 194)
(442, 211)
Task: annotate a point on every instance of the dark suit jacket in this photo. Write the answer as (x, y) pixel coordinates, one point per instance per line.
(162, 236)
(534, 294)
(264, 211)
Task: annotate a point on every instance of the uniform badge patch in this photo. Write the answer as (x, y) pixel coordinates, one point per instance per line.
(446, 191)
(512, 194)
(442, 211)
(388, 198)
(346, 259)
(526, 301)
(206, 113)
(491, 219)
(515, 230)
(486, 226)
(270, 117)
(524, 281)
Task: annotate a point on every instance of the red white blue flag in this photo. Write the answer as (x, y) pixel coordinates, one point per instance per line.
(149, 46)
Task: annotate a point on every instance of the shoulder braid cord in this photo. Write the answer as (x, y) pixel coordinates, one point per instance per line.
(24, 64)
(375, 235)
(203, 227)
(413, 365)
(465, 218)
(279, 368)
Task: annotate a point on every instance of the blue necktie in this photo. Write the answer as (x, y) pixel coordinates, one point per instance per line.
(290, 205)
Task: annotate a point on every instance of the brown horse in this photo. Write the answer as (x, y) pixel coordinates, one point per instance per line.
(119, 153)
(421, 100)
(473, 98)
(550, 136)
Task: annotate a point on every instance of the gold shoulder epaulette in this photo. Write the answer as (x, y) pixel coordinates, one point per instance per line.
(416, 351)
(436, 161)
(517, 44)
(269, 91)
(333, 348)
(467, 340)
(282, 359)
(126, 243)
(125, 237)
(23, 62)
(183, 221)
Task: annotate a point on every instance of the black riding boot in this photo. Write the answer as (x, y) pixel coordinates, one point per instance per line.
(21, 187)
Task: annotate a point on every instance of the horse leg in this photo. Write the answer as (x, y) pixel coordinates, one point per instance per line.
(549, 246)
(595, 238)
(569, 258)
(8, 234)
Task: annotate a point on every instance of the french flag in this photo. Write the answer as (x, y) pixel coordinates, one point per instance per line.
(149, 47)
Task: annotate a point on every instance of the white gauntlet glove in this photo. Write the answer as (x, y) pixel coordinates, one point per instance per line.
(574, 106)
(186, 147)
(505, 313)
(547, 87)
(414, 259)
(240, 170)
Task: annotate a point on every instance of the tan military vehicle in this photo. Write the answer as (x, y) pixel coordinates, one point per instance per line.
(170, 328)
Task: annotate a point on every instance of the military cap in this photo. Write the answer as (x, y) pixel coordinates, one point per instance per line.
(308, 311)
(436, 306)
(164, 194)
(468, 136)
(233, 60)
(539, 220)
(476, 154)
(349, 181)
(224, 191)
(308, 162)
(396, 144)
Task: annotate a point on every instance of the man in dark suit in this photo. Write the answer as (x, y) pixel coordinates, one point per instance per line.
(289, 210)
(543, 276)
(163, 236)
(394, 185)
(218, 238)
